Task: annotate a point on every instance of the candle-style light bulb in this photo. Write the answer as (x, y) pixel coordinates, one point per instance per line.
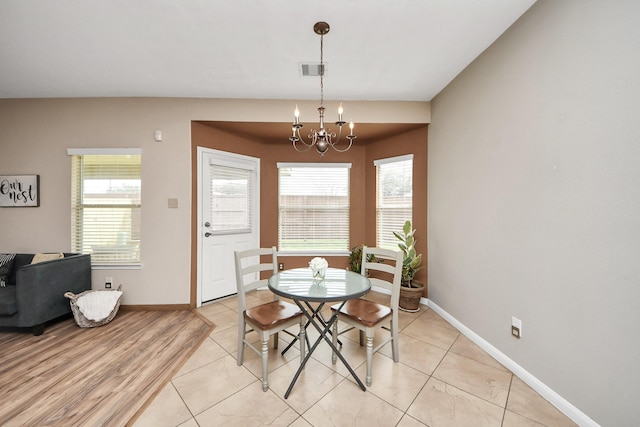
(340, 111)
(296, 119)
(351, 127)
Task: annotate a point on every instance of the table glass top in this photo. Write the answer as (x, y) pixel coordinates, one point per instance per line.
(338, 285)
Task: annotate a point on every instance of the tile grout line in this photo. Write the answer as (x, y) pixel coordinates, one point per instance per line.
(468, 392)
(504, 413)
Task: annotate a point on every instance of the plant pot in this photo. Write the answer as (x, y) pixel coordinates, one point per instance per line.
(410, 297)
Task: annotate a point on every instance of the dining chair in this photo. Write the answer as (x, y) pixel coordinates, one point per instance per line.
(385, 271)
(266, 319)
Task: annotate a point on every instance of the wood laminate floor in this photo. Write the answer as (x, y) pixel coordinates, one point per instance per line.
(102, 376)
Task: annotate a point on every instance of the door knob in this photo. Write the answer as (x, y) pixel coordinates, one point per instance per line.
(207, 234)
(207, 224)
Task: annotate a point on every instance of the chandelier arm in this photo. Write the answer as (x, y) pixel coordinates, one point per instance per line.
(334, 144)
(302, 150)
(298, 139)
(330, 138)
(313, 136)
(343, 150)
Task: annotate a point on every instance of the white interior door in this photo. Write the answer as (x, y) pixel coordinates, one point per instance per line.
(229, 200)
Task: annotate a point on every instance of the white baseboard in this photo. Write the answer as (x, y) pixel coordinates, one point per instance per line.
(554, 398)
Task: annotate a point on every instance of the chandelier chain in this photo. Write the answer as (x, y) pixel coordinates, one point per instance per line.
(322, 70)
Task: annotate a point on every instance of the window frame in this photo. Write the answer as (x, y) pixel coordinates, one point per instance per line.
(309, 251)
(78, 186)
(379, 164)
(233, 171)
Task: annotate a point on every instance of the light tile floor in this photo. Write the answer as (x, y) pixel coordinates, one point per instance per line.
(442, 379)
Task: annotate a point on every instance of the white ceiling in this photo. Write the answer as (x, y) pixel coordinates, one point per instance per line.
(405, 50)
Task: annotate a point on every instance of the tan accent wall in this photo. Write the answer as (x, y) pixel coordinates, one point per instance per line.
(416, 143)
(362, 190)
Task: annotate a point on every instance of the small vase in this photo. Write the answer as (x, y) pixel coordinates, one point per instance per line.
(318, 275)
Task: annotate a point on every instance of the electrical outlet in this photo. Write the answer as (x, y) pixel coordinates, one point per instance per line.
(281, 266)
(516, 327)
(107, 283)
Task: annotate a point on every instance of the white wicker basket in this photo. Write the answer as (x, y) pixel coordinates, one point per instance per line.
(80, 318)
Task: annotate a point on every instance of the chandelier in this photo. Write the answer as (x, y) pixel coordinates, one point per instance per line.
(322, 138)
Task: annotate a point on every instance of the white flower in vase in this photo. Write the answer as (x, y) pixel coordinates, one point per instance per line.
(318, 267)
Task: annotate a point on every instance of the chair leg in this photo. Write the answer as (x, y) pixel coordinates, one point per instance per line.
(334, 339)
(361, 337)
(302, 338)
(265, 358)
(275, 340)
(241, 334)
(369, 357)
(394, 343)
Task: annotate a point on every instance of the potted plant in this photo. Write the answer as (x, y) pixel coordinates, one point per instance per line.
(355, 258)
(410, 290)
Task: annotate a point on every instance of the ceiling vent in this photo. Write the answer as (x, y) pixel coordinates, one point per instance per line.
(313, 70)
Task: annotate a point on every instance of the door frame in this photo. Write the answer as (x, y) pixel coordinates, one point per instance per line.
(201, 151)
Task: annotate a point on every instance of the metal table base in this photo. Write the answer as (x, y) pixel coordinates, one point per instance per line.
(323, 335)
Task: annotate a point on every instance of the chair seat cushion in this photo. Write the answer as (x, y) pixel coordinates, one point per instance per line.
(8, 301)
(366, 312)
(271, 314)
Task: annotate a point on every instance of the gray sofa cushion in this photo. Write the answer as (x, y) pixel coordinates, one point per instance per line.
(8, 301)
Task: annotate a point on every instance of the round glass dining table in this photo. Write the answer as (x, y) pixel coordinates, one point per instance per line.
(338, 285)
(300, 285)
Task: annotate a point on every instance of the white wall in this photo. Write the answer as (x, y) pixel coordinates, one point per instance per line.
(534, 201)
(35, 135)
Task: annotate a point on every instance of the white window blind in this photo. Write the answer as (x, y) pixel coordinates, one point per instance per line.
(231, 196)
(394, 198)
(313, 211)
(106, 205)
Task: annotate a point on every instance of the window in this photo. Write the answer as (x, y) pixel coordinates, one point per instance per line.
(231, 195)
(313, 207)
(394, 197)
(105, 205)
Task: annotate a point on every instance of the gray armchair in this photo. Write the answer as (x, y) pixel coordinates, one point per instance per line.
(35, 292)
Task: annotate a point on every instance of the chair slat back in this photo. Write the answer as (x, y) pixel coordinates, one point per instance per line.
(391, 263)
(248, 269)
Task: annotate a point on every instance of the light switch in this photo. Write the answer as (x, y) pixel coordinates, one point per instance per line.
(173, 203)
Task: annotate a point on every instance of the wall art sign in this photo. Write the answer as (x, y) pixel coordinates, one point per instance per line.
(19, 190)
